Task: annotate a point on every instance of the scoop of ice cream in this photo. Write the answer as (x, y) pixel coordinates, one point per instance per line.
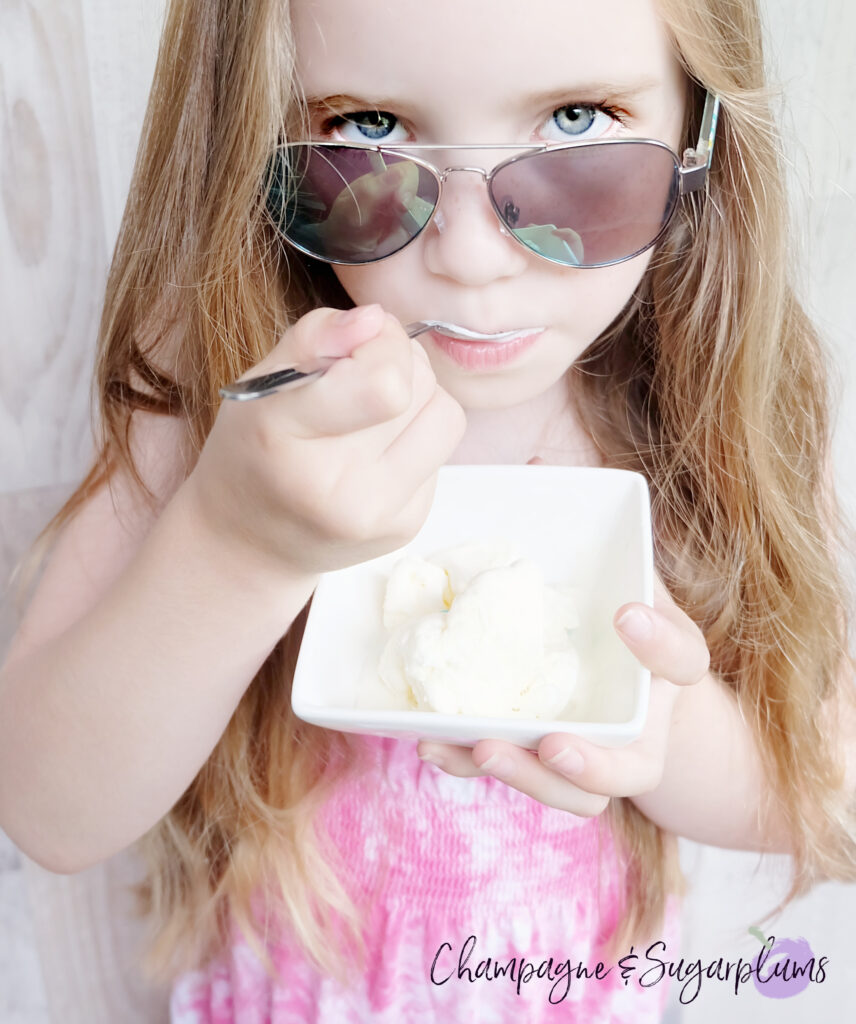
(415, 587)
(464, 562)
(492, 641)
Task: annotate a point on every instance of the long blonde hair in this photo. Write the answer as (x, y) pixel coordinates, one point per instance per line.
(712, 383)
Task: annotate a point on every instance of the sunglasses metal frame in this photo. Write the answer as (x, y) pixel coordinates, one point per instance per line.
(692, 174)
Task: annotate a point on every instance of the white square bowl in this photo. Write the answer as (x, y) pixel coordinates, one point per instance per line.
(587, 527)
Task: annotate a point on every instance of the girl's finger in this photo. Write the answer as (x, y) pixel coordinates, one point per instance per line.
(616, 771)
(601, 772)
(455, 760)
(668, 643)
(517, 768)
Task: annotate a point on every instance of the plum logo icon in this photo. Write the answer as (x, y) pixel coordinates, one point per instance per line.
(784, 967)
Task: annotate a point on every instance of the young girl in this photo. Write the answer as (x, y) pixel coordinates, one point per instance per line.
(298, 874)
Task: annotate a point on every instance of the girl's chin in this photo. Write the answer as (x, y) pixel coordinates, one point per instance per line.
(484, 393)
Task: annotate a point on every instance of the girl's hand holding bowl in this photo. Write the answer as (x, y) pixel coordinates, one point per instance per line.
(340, 470)
(578, 776)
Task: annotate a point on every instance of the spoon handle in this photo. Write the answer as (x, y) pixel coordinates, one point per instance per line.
(280, 380)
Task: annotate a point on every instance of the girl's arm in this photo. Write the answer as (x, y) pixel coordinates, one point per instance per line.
(714, 787)
(139, 642)
(148, 627)
(695, 771)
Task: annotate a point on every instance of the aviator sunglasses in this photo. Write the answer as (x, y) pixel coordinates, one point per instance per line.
(579, 204)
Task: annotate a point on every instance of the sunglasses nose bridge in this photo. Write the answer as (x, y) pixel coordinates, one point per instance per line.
(443, 175)
(475, 170)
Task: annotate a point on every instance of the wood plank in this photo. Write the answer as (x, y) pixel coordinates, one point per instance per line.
(51, 244)
(122, 44)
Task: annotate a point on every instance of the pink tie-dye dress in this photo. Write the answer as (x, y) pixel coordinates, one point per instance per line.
(486, 906)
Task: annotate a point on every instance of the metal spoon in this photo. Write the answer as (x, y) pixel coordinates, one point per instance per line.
(268, 383)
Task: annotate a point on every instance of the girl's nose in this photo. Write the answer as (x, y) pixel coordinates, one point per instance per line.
(466, 241)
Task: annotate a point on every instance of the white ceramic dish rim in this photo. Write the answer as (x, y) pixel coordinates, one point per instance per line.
(467, 729)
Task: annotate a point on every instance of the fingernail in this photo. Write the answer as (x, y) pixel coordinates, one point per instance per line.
(635, 625)
(568, 761)
(499, 765)
(363, 315)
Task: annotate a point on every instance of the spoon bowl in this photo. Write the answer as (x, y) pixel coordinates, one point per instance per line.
(269, 383)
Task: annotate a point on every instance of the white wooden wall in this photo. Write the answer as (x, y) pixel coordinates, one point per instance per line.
(73, 81)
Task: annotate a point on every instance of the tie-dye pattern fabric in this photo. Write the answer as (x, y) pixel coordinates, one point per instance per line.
(452, 867)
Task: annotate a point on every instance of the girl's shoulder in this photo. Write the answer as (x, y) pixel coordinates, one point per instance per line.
(105, 532)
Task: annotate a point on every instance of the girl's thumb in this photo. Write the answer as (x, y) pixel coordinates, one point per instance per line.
(536, 460)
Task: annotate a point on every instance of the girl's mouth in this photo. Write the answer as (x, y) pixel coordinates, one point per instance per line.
(498, 351)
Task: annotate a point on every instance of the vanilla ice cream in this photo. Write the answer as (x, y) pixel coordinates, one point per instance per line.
(476, 631)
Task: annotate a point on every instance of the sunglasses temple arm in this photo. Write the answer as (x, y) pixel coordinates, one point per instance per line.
(697, 161)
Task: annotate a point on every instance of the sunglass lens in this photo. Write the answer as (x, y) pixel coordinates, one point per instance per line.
(350, 205)
(588, 206)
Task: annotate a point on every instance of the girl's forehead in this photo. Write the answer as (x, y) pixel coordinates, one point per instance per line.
(496, 49)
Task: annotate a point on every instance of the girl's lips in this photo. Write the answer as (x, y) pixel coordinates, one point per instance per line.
(484, 355)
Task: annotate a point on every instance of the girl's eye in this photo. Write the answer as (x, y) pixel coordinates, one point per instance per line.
(364, 126)
(580, 121)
